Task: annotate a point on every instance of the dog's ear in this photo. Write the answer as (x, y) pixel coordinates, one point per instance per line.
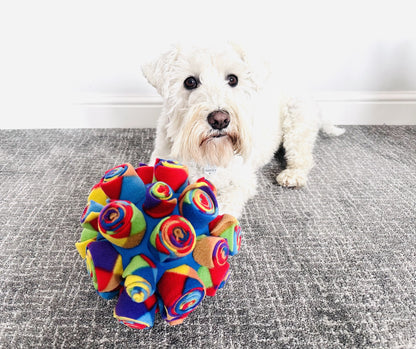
(156, 71)
(260, 70)
(239, 50)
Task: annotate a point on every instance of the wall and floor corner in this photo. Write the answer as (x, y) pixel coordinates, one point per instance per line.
(340, 107)
(78, 65)
(118, 111)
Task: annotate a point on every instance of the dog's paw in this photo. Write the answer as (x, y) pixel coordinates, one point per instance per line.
(292, 178)
(234, 210)
(233, 207)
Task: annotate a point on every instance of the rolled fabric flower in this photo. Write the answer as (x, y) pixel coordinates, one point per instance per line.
(208, 183)
(211, 251)
(123, 183)
(87, 236)
(159, 200)
(174, 237)
(214, 278)
(140, 278)
(198, 204)
(104, 265)
(89, 217)
(110, 294)
(171, 172)
(180, 290)
(227, 227)
(133, 314)
(122, 223)
(97, 195)
(145, 172)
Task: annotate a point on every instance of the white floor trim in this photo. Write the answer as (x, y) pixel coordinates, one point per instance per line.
(369, 108)
(118, 111)
(106, 111)
(340, 107)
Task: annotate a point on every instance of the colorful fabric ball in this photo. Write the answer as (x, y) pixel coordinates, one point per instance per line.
(156, 242)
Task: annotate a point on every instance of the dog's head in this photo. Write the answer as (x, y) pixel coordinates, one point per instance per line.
(207, 100)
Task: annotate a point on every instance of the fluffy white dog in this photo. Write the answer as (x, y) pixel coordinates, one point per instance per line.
(222, 117)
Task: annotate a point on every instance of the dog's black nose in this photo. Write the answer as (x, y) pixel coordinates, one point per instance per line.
(219, 119)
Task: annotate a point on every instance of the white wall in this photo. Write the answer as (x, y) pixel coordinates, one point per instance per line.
(77, 64)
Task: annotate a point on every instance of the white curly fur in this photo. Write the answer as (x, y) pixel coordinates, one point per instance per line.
(260, 120)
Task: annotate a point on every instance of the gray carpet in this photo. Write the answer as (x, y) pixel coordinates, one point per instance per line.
(332, 265)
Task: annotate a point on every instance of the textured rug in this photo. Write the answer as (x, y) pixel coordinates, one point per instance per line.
(332, 265)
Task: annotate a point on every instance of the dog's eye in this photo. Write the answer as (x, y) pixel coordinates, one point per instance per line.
(190, 83)
(232, 80)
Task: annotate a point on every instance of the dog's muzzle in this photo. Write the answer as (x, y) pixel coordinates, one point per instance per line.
(219, 119)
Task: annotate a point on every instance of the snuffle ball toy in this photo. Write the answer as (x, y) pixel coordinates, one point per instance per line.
(156, 241)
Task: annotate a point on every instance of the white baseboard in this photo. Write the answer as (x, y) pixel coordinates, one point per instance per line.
(343, 108)
(369, 108)
(118, 111)
(103, 111)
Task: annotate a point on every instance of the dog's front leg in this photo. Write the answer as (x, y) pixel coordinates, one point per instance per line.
(235, 186)
(299, 135)
(232, 201)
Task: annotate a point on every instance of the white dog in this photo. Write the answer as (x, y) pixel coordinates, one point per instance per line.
(222, 118)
